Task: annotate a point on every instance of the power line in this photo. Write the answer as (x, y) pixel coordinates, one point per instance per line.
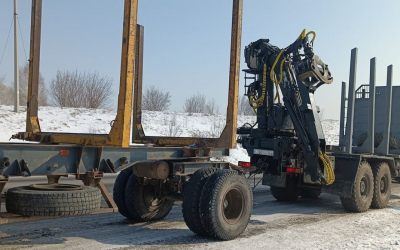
(22, 40)
(3, 54)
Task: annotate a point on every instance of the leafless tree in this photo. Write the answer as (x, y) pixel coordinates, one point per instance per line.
(244, 107)
(6, 93)
(23, 87)
(174, 128)
(195, 104)
(156, 100)
(211, 108)
(85, 90)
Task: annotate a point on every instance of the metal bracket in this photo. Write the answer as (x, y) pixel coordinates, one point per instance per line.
(93, 179)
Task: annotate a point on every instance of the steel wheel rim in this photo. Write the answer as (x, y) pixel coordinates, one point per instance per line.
(384, 184)
(232, 206)
(364, 186)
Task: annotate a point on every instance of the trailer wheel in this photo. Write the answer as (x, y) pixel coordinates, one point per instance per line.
(382, 186)
(144, 202)
(53, 200)
(310, 193)
(191, 199)
(119, 191)
(225, 205)
(362, 191)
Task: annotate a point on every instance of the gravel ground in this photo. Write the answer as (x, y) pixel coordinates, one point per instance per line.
(305, 224)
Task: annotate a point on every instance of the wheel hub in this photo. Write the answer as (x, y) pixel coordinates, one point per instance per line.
(364, 186)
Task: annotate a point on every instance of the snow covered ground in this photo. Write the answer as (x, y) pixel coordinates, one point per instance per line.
(306, 224)
(98, 121)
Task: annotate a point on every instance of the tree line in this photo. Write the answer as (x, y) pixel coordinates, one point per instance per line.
(91, 90)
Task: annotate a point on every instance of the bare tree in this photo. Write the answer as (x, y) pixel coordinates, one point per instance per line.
(75, 89)
(156, 100)
(244, 107)
(195, 104)
(23, 87)
(6, 93)
(211, 108)
(174, 128)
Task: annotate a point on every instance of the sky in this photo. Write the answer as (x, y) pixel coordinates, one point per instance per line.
(187, 42)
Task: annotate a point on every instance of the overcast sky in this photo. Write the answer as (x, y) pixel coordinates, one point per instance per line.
(187, 42)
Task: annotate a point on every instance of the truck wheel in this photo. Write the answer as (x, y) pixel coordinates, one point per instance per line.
(362, 191)
(191, 199)
(144, 202)
(288, 193)
(310, 193)
(52, 200)
(226, 203)
(119, 191)
(382, 186)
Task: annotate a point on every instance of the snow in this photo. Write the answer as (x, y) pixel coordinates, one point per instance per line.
(98, 121)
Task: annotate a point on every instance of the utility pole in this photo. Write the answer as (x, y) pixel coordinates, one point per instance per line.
(16, 69)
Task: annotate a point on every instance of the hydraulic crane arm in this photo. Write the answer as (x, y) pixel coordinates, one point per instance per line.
(296, 73)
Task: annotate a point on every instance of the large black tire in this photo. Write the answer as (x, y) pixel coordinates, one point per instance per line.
(30, 202)
(191, 199)
(142, 203)
(226, 203)
(311, 194)
(382, 186)
(288, 193)
(119, 191)
(362, 190)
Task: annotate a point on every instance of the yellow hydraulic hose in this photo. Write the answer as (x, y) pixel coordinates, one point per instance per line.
(328, 169)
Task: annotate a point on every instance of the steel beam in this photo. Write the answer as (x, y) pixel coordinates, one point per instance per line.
(343, 99)
(384, 146)
(228, 136)
(370, 142)
(121, 129)
(137, 129)
(32, 120)
(350, 103)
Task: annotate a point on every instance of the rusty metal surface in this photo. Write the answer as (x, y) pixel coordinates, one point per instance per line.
(137, 129)
(32, 121)
(121, 129)
(228, 137)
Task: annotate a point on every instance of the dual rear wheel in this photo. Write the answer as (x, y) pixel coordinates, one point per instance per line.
(140, 200)
(217, 203)
(371, 188)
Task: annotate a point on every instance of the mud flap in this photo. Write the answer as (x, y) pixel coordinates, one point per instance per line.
(346, 167)
(274, 180)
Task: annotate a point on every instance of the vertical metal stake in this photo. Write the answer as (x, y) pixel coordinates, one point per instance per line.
(32, 120)
(228, 136)
(137, 129)
(120, 134)
(343, 99)
(351, 98)
(385, 144)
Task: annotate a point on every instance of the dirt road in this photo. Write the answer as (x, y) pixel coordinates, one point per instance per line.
(305, 224)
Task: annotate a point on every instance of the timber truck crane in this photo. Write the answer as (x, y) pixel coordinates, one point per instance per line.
(289, 136)
(287, 143)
